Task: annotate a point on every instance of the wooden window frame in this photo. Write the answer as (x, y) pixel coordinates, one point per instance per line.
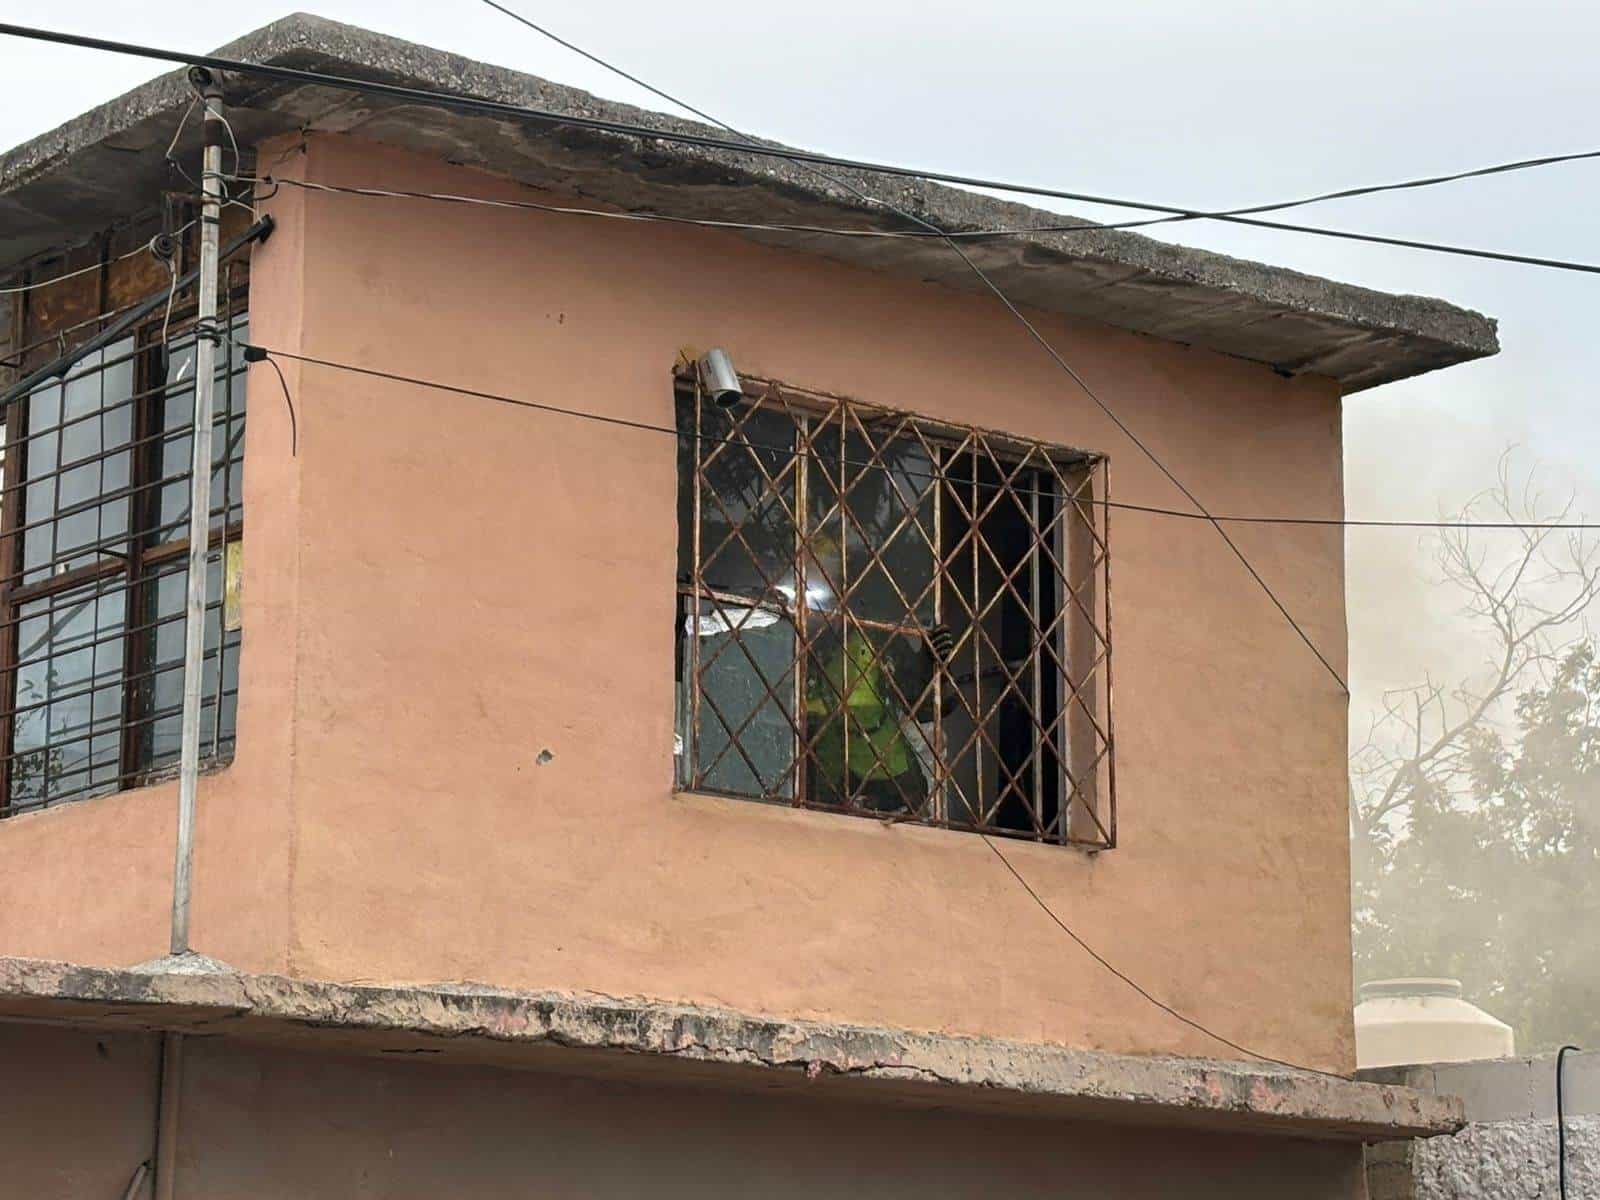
(143, 553)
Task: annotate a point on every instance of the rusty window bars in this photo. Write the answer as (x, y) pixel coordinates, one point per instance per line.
(93, 544)
(888, 616)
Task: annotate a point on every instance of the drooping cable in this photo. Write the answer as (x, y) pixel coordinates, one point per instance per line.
(968, 235)
(1134, 984)
(474, 104)
(904, 472)
(1179, 214)
(1043, 343)
(38, 284)
(255, 353)
(1561, 1119)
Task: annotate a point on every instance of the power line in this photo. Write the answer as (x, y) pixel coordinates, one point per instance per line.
(1180, 213)
(1043, 343)
(865, 464)
(813, 160)
(1134, 984)
(99, 266)
(1176, 213)
(841, 232)
(1235, 214)
(258, 352)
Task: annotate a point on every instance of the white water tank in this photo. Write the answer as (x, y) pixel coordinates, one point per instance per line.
(1401, 1021)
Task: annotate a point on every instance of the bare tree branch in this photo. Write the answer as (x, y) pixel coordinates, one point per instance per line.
(1528, 603)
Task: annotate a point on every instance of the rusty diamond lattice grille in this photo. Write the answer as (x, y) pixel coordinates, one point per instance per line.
(893, 617)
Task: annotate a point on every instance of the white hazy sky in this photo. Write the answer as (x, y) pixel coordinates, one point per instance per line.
(1208, 105)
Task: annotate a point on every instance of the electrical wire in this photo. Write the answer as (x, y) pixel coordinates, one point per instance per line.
(19, 289)
(54, 279)
(136, 1183)
(747, 146)
(216, 112)
(474, 104)
(172, 292)
(842, 232)
(1135, 985)
(254, 353)
(865, 464)
(1044, 344)
(1561, 1119)
(148, 246)
(1234, 214)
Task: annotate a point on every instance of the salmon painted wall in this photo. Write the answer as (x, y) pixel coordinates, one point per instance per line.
(453, 587)
(91, 881)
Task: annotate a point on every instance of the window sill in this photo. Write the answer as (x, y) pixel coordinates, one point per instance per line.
(886, 819)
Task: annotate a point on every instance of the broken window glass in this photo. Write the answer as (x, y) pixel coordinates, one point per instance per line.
(890, 616)
(97, 589)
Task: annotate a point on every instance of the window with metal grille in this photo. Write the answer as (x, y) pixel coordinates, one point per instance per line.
(895, 617)
(94, 538)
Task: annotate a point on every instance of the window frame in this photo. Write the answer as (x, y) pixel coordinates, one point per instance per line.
(136, 568)
(1086, 812)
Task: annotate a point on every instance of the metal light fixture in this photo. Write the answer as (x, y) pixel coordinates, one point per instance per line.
(719, 378)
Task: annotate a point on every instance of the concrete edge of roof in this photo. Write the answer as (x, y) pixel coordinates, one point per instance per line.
(574, 1032)
(1439, 333)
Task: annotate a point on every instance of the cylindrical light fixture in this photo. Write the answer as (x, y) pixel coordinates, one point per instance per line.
(719, 378)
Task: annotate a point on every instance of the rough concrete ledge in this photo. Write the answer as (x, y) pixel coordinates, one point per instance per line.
(1508, 1147)
(691, 1044)
(1521, 1088)
(79, 177)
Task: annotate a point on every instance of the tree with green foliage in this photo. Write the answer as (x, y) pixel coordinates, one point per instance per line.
(1475, 812)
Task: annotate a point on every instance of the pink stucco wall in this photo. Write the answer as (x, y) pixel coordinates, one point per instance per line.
(438, 588)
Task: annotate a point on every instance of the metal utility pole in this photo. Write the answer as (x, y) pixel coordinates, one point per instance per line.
(207, 338)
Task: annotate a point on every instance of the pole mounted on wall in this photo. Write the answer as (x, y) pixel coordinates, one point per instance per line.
(207, 338)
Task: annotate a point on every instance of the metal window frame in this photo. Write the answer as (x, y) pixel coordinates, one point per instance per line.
(138, 562)
(1070, 554)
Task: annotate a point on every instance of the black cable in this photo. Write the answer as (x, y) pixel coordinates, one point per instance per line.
(749, 146)
(1182, 214)
(255, 354)
(1561, 1120)
(1135, 985)
(259, 231)
(1159, 465)
(967, 235)
(501, 109)
(772, 448)
(642, 131)
(1045, 345)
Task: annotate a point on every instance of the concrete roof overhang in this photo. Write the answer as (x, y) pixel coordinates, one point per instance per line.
(93, 171)
(647, 1041)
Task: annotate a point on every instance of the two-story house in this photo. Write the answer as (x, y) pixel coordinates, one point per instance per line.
(658, 709)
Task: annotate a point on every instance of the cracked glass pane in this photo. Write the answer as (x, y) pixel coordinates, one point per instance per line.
(746, 493)
(874, 497)
(744, 739)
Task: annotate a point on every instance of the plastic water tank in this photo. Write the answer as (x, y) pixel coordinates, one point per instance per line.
(1402, 1021)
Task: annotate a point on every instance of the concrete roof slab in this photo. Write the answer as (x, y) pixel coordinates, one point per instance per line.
(636, 1039)
(79, 178)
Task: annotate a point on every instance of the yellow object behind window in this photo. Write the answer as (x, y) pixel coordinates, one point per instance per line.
(232, 584)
